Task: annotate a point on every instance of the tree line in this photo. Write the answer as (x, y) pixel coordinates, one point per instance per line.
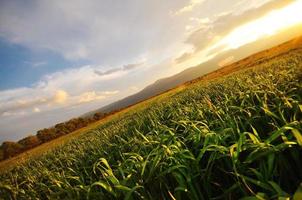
(9, 148)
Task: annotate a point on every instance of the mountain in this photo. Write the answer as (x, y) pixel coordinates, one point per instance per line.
(212, 66)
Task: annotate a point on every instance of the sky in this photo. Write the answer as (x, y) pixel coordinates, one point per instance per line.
(60, 59)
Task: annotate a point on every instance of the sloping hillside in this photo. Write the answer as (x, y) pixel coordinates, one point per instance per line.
(192, 73)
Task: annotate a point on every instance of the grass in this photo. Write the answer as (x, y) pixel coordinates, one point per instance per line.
(234, 137)
(8, 164)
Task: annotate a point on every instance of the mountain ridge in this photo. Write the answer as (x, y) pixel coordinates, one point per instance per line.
(264, 49)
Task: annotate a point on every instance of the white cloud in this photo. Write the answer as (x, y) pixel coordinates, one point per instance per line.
(252, 4)
(36, 110)
(110, 92)
(127, 67)
(93, 96)
(189, 7)
(134, 88)
(102, 32)
(90, 96)
(75, 81)
(60, 89)
(205, 20)
(36, 64)
(60, 96)
(11, 114)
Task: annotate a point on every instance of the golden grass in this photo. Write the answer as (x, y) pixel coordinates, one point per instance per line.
(244, 63)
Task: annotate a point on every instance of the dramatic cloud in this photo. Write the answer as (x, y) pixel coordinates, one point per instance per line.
(226, 22)
(109, 33)
(90, 96)
(19, 106)
(93, 95)
(229, 30)
(114, 70)
(45, 95)
(59, 100)
(192, 4)
(60, 96)
(15, 105)
(185, 56)
(91, 53)
(36, 110)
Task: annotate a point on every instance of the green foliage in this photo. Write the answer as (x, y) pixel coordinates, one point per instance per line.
(48, 134)
(60, 129)
(29, 142)
(11, 148)
(45, 135)
(98, 116)
(234, 137)
(1, 154)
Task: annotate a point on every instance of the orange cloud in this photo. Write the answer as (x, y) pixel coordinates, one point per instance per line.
(60, 96)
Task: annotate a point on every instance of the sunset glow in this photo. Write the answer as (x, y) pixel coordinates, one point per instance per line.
(60, 60)
(186, 99)
(268, 25)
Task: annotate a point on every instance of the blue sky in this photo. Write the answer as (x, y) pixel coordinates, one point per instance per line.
(21, 67)
(60, 59)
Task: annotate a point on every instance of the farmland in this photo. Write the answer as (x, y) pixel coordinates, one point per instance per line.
(235, 136)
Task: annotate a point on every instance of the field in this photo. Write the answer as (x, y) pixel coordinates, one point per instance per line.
(237, 136)
(7, 164)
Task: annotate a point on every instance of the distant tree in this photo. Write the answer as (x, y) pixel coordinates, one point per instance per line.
(98, 116)
(82, 122)
(1, 153)
(29, 142)
(11, 149)
(90, 120)
(78, 123)
(86, 121)
(61, 129)
(71, 125)
(46, 134)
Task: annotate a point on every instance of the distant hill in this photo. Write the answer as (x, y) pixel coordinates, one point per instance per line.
(198, 71)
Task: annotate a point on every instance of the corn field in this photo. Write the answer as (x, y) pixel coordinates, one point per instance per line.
(235, 137)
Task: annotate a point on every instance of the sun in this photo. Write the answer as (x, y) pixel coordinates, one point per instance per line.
(270, 24)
